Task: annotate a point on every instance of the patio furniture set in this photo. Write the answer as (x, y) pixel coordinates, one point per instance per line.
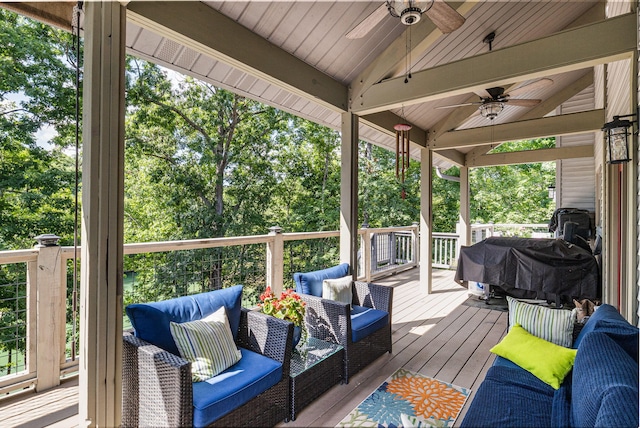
(258, 378)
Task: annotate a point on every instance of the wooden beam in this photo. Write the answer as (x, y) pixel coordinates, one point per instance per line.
(392, 59)
(231, 43)
(575, 123)
(56, 13)
(385, 120)
(451, 155)
(606, 41)
(532, 156)
(559, 97)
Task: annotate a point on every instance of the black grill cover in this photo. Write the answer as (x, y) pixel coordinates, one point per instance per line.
(531, 268)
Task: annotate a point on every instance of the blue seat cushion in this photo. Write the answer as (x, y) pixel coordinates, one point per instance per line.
(243, 381)
(606, 319)
(151, 320)
(311, 282)
(365, 321)
(501, 396)
(605, 384)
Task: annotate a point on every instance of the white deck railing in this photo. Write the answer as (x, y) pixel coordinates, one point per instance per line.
(37, 299)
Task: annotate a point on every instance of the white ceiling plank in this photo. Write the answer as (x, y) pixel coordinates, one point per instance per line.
(566, 124)
(605, 41)
(237, 46)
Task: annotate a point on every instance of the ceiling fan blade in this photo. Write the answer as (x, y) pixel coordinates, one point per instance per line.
(482, 93)
(522, 102)
(369, 23)
(446, 18)
(538, 84)
(458, 105)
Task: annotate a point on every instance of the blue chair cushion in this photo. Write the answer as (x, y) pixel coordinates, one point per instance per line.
(501, 396)
(605, 384)
(243, 381)
(606, 319)
(311, 282)
(151, 320)
(365, 321)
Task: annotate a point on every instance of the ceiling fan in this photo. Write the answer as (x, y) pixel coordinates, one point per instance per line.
(492, 100)
(443, 16)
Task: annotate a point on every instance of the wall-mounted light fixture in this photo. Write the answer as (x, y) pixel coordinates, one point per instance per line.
(552, 191)
(616, 135)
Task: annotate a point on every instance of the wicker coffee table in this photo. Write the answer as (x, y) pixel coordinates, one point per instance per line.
(314, 369)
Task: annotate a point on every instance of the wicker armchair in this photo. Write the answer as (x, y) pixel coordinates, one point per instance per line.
(157, 389)
(332, 321)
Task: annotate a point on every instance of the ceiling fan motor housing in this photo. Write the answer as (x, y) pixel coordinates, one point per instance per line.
(410, 16)
(410, 11)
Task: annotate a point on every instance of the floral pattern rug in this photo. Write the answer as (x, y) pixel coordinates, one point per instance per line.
(409, 399)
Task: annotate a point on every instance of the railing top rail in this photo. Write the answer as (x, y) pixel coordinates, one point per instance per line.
(295, 236)
(193, 244)
(445, 235)
(18, 256)
(478, 225)
(387, 229)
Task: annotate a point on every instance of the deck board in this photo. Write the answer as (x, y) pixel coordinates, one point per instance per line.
(436, 335)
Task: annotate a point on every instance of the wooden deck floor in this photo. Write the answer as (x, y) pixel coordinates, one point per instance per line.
(437, 335)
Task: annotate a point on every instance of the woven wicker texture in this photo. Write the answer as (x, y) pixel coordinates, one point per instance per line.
(329, 320)
(157, 388)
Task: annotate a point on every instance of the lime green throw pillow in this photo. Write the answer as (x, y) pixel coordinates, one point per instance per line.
(545, 360)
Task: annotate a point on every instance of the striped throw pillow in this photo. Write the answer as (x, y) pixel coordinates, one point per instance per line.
(552, 325)
(207, 343)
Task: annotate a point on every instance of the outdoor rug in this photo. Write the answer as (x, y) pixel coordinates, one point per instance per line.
(409, 399)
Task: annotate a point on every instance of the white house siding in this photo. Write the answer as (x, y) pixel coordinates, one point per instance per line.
(575, 178)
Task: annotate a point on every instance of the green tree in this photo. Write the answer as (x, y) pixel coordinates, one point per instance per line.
(515, 193)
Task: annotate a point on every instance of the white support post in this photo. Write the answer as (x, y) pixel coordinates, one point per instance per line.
(415, 239)
(366, 255)
(100, 402)
(426, 243)
(275, 253)
(349, 193)
(50, 311)
(464, 231)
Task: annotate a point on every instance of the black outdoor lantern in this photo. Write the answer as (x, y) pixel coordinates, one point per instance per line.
(552, 191)
(616, 134)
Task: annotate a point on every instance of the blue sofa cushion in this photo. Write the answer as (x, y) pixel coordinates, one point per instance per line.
(510, 397)
(606, 319)
(151, 320)
(365, 321)
(311, 282)
(243, 381)
(605, 384)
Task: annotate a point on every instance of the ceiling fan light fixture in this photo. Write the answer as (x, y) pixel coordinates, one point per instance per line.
(491, 110)
(409, 11)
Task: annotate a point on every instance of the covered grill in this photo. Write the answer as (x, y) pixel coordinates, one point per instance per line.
(550, 269)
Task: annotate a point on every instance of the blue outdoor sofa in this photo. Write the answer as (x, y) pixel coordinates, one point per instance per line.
(158, 389)
(362, 326)
(601, 390)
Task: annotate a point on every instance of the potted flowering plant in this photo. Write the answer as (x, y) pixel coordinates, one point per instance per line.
(289, 307)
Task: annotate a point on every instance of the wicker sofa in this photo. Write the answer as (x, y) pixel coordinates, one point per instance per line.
(157, 383)
(362, 328)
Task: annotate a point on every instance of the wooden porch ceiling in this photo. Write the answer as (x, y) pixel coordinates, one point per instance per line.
(295, 56)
